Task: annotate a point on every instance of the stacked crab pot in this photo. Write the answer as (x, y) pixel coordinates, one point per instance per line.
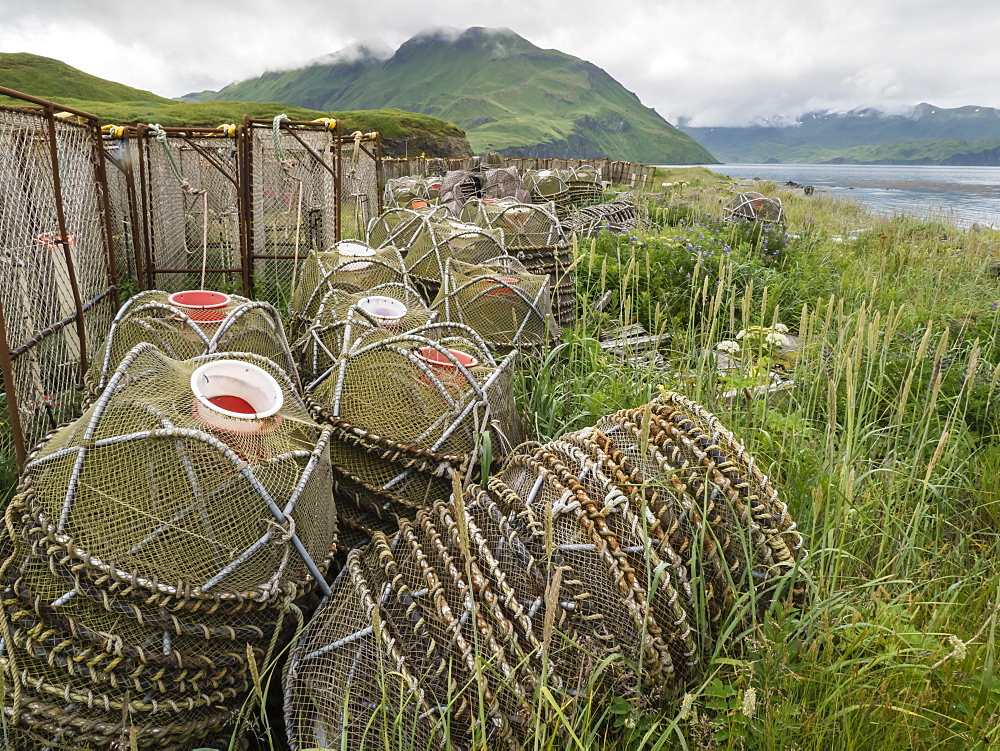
(410, 409)
(606, 562)
(153, 554)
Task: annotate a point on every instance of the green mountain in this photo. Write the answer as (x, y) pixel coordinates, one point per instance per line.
(51, 79)
(119, 104)
(506, 93)
(925, 135)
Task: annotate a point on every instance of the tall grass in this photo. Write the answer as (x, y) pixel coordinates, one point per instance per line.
(886, 451)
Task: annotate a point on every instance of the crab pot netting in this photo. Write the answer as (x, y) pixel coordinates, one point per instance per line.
(436, 242)
(505, 304)
(348, 265)
(627, 544)
(294, 201)
(194, 222)
(752, 207)
(235, 325)
(393, 307)
(425, 394)
(399, 226)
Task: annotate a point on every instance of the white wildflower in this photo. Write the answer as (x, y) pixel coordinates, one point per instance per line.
(781, 328)
(958, 647)
(750, 702)
(774, 340)
(729, 347)
(686, 703)
(743, 333)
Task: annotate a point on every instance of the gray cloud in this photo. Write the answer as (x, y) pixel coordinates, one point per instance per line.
(717, 62)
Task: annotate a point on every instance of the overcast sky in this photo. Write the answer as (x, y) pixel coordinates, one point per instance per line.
(718, 62)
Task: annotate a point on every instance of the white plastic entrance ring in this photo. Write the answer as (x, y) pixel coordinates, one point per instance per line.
(235, 396)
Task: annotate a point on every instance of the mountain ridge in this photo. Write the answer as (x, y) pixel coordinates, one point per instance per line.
(507, 93)
(926, 134)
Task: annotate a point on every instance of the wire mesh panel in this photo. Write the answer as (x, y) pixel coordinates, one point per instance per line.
(293, 207)
(361, 189)
(127, 228)
(57, 287)
(191, 201)
(633, 545)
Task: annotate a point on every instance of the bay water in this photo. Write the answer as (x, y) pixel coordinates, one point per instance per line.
(959, 195)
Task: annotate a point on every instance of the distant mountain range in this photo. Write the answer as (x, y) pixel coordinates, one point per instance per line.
(506, 93)
(925, 135)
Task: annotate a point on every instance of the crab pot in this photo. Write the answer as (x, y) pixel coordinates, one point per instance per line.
(504, 182)
(426, 393)
(584, 184)
(155, 548)
(191, 323)
(619, 216)
(505, 304)
(753, 207)
(86, 662)
(533, 235)
(392, 307)
(349, 265)
(547, 185)
(398, 227)
(179, 465)
(659, 527)
(439, 241)
(401, 192)
(458, 187)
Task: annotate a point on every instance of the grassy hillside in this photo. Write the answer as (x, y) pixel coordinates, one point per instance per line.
(927, 135)
(119, 104)
(504, 91)
(55, 80)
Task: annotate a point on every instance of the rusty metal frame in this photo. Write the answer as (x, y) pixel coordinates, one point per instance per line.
(293, 128)
(143, 134)
(46, 111)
